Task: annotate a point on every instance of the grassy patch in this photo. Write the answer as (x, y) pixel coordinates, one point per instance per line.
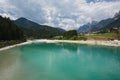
(105, 36)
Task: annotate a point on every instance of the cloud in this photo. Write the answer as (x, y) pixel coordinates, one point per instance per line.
(67, 14)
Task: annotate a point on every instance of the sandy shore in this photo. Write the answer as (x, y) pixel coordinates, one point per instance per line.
(12, 46)
(91, 42)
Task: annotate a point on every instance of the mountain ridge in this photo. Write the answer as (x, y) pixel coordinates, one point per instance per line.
(101, 25)
(35, 30)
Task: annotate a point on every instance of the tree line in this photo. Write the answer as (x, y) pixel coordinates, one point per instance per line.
(9, 30)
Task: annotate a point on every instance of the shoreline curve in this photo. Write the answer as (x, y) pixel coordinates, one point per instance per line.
(115, 43)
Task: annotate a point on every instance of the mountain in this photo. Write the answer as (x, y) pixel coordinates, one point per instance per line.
(9, 30)
(32, 29)
(25, 23)
(102, 25)
(87, 27)
(60, 29)
(114, 24)
(117, 16)
(84, 28)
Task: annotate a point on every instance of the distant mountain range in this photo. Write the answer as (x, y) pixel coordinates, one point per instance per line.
(35, 30)
(87, 27)
(23, 28)
(102, 25)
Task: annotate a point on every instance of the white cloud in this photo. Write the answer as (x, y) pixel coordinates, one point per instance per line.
(7, 15)
(67, 14)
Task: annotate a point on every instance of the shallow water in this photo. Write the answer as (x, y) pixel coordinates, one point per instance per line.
(58, 61)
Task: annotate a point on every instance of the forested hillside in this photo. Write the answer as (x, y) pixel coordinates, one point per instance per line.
(34, 30)
(9, 30)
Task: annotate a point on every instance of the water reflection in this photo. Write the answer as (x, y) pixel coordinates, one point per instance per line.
(42, 61)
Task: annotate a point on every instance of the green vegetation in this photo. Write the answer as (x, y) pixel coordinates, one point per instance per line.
(10, 33)
(7, 43)
(9, 30)
(69, 34)
(40, 33)
(78, 38)
(101, 36)
(82, 38)
(36, 31)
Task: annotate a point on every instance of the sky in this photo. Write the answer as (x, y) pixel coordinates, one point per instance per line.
(66, 14)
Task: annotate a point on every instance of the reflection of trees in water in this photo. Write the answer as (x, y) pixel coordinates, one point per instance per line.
(92, 53)
(69, 58)
(72, 48)
(101, 54)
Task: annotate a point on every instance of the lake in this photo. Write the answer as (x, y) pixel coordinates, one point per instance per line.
(60, 61)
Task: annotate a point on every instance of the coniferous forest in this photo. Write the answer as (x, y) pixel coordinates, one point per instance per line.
(21, 29)
(9, 30)
(10, 33)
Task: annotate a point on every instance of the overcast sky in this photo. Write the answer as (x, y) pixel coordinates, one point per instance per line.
(66, 14)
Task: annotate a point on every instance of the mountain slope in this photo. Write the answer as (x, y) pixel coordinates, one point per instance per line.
(62, 30)
(87, 27)
(102, 25)
(114, 24)
(23, 22)
(32, 29)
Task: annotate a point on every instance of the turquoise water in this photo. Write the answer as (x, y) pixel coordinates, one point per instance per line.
(58, 61)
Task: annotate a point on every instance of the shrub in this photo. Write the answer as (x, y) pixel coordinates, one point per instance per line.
(70, 34)
(74, 38)
(8, 43)
(82, 38)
